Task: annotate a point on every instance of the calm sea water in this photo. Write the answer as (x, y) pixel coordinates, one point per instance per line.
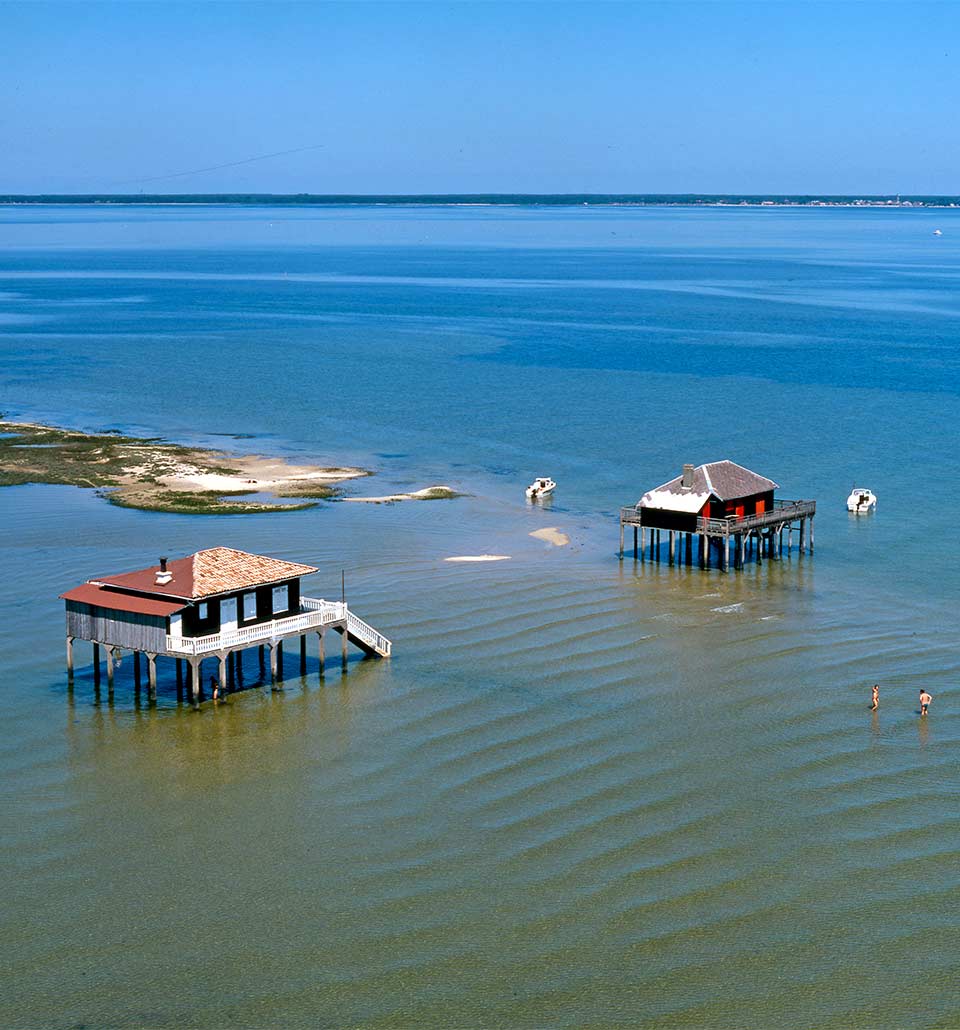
(582, 793)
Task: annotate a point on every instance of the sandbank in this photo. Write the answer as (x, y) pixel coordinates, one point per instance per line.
(552, 535)
(156, 475)
(480, 557)
(429, 493)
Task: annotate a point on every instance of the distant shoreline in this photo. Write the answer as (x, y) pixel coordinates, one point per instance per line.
(812, 200)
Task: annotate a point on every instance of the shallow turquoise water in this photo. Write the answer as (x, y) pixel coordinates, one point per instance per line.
(581, 793)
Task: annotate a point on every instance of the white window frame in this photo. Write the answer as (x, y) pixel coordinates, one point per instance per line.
(203, 610)
(249, 601)
(281, 593)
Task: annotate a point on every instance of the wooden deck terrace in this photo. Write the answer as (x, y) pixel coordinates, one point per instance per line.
(760, 535)
(315, 616)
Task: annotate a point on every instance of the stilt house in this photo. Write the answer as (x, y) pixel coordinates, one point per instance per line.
(720, 502)
(214, 603)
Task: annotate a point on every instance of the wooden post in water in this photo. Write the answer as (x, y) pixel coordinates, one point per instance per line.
(811, 534)
(621, 538)
(343, 644)
(151, 676)
(303, 654)
(136, 669)
(69, 659)
(223, 673)
(273, 663)
(320, 650)
(262, 666)
(193, 677)
(643, 543)
(803, 535)
(232, 669)
(689, 548)
(109, 668)
(673, 546)
(636, 544)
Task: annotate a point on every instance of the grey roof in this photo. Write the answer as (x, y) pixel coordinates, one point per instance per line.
(724, 480)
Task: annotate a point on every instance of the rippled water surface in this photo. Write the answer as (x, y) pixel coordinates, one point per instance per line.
(582, 793)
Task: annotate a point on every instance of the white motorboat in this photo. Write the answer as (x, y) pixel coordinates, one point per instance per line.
(541, 487)
(861, 500)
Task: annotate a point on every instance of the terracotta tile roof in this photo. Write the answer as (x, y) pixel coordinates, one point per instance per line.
(115, 600)
(217, 570)
(725, 480)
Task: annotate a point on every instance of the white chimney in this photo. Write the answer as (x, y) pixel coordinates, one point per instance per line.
(687, 481)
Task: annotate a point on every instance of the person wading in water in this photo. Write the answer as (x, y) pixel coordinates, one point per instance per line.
(875, 704)
(925, 700)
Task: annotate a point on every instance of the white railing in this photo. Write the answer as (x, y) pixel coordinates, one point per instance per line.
(365, 632)
(314, 613)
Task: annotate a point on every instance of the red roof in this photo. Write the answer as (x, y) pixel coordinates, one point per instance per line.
(216, 570)
(87, 593)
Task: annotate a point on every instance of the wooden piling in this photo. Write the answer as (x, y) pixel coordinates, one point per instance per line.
(636, 544)
(673, 546)
(621, 540)
(320, 650)
(151, 676)
(136, 669)
(69, 659)
(109, 668)
(303, 654)
(643, 542)
(223, 673)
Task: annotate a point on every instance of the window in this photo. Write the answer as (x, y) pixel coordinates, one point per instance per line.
(249, 606)
(281, 599)
(202, 610)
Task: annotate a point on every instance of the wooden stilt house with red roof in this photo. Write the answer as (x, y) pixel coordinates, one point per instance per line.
(722, 505)
(212, 604)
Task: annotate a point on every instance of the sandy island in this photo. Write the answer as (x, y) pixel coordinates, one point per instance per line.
(156, 475)
(552, 535)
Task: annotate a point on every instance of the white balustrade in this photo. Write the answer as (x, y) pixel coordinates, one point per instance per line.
(314, 613)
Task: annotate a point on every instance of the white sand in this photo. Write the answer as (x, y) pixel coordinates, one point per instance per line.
(552, 535)
(480, 557)
(261, 474)
(415, 495)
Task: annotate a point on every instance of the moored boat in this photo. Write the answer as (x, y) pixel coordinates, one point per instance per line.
(541, 487)
(861, 500)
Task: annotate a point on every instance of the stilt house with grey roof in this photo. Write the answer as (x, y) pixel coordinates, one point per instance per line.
(216, 604)
(720, 505)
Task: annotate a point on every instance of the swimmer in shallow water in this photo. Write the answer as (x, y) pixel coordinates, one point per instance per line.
(925, 700)
(875, 702)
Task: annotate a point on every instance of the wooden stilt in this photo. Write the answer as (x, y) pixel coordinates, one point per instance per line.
(643, 543)
(689, 548)
(193, 679)
(179, 676)
(69, 659)
(320, 650)
(151, 676)
(803, 535)
(232, 670)
(109, 668)
(223, 674)
(621, 539)
(136, 669)
(658, 545)
(273, 663)
(343, 645)
(636, 543)
(653, 538)
(673, 546)
(811, 534)
(303, 655)
(789, 538)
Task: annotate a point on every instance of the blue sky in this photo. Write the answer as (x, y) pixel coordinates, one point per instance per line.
(480, 97)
